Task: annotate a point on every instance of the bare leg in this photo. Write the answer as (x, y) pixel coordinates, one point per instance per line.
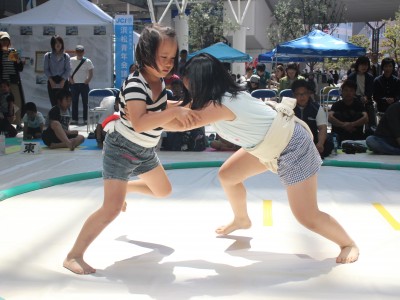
(240, 166)
(114, 198)
(61, 135)
(303, 203)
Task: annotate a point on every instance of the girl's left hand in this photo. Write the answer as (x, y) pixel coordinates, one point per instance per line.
(188, 118)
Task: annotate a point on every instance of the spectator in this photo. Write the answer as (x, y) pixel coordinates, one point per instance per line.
(57, 68)
(82, 73)
(386, 87)
(386, 139)
(264, 75)
(348, 115)
(279, 74)
(313, 114)
(253, 83)
(376, 69)
(183, 58)
(364, 81)
(292, 74)
(221, 144)
(108, 104)
(57, 133)
(177, 90)
(10, 67)
(170, 78)
(33, 122)
(133, 68)
(7, 112)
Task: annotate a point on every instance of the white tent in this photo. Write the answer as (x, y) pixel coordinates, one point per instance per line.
(77, 22)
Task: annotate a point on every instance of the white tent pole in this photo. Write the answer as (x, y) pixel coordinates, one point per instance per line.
(233, 11)
(165, 11)
(151, 11)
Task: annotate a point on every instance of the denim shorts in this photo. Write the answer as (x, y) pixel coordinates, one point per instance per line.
(300, 159)
(123, 159)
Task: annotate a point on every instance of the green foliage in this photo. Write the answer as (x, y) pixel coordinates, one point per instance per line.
(207, 24)
(391, 46)
(295, 18)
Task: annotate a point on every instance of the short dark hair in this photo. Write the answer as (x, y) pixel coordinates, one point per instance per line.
(260, 67)
(293, 66)
(362, 60)
(54, 39)
(184, 51)
(300, 83)
(150, 38)
(5, 81)
(388, 61)
(350, 84)
(61, 94)
(30, 106)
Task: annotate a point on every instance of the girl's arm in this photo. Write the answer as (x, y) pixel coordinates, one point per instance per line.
(142, 120)
(210, 114)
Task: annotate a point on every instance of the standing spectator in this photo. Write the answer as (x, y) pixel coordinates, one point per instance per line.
(183, 58)
(33, 122)
(364, 81)
(292, 74)
(7, 112)
(264, 75)
(10, 67)
(348, 115)
(313, 114)
(82, 73)
(386, 87)
(376, 69)
(335, 77)
(386, 139)
(57, 68)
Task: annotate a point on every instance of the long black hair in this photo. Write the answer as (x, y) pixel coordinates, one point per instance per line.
(208, 81)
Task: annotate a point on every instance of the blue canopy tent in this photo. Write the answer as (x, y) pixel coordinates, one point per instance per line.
(319, 44)
(271, 57)
(224, 53)
(314, 46)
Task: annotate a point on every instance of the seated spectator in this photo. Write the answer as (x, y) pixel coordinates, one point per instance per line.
(348, 115)
(169, 79)
(313, 114)
(177, 89)
(7, 110)
(57, 133)
(264, 75)
(386, 87)
(221, 144)
(33, 122)
(386, 139)
(292, 74)
(253, 83)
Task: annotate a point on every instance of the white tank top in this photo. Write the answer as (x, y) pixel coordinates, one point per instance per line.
(253, 119)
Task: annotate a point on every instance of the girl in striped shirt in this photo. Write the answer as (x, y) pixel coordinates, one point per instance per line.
(129, 147)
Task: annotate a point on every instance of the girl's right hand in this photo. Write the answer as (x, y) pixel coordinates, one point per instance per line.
(187, 117)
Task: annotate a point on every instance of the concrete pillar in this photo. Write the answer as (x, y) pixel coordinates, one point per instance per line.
(239, 43)
(182, 31)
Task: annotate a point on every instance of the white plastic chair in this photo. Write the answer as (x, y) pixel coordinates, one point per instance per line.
(94, 109)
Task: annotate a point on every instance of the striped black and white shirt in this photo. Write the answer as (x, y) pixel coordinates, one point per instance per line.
(135, 88)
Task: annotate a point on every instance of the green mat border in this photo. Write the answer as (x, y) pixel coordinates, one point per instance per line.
(36, 185)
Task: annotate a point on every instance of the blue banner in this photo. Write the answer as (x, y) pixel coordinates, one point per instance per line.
(124, 47)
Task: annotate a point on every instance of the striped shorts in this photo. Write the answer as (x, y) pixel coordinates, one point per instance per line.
(300, 159)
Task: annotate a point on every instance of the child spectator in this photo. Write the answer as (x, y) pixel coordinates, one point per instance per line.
(7, 112)
(348, 115)
(57, 134)
(254, 83)
(33, 122)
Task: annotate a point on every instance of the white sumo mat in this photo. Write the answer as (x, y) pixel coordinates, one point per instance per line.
(167, 249)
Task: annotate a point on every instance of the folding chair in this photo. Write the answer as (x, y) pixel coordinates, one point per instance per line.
(94, 109)
(332, 96)
(285, 93)
(263, 94)
(114, 90)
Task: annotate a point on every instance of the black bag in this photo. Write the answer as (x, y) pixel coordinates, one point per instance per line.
(197, 139)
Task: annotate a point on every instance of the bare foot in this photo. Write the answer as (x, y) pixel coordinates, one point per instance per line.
(123, 208)
(348, 254)
(234, 225)
(78, 266)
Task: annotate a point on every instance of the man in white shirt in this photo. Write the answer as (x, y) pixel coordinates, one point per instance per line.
(81, 74)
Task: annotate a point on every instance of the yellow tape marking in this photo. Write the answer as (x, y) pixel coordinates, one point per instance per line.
(388, 217)
(267, 210)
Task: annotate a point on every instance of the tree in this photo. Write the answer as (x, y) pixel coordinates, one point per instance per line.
(295, 18)
(391, 45)
(207, 24)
